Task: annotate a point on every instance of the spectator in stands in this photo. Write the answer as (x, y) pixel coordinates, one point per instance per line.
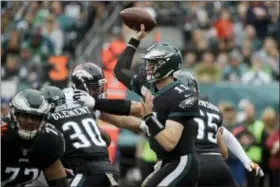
(224, 31)
(235, 69)
(247, 52)
(269, 56)
(189, 60)
(222, 60)
(250, 34)
(272, 144)
(111, 51)
(11, 68)
(39, 47)
(199, 43)
(207, 71)
(26, 24)
(258, 17)
(230, 122)
(40, 12)
(11, 44)
(269, 118)
(109, 55)
(252, 137)
(257, 74)
(66, 23)
(5, 109)
(53, 32)
(224, 26)
(240, 21)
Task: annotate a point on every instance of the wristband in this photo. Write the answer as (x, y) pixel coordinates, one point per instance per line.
(154, 125)
(134, 43)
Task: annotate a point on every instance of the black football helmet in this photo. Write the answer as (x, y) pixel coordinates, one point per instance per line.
(90, 78)
(187, 78)
(54, 96)
(28, 112)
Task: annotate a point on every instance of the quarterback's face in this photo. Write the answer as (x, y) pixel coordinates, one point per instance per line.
(29, 122)
(151, 67)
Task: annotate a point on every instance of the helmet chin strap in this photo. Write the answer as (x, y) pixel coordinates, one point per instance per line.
(28, 135)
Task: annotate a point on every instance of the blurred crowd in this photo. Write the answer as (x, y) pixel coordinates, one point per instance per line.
(233, 41)
(259, 138)
(34, 31)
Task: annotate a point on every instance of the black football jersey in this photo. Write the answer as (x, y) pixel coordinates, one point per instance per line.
(82, 136)
(178, 103)
(208, 122)
(23, 160)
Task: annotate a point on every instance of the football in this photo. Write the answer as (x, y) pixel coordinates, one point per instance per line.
(134, 17)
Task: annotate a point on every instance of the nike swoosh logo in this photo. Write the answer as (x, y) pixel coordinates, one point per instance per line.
(188, 95)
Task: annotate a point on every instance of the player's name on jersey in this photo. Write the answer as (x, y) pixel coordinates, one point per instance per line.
(208, 105)
(71, 113)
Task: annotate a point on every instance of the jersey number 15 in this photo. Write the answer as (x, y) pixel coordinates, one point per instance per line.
(203, 133)
(90, 128)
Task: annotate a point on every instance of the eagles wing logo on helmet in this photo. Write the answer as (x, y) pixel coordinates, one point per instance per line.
(154, 54)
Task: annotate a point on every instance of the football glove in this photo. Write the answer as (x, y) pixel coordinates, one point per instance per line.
(254, 167)
(84, 98)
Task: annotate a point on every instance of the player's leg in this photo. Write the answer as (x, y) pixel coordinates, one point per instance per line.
(177, 172)
(106, 179)
(215, 172)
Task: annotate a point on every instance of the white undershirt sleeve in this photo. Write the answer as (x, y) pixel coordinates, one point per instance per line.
(234, 146)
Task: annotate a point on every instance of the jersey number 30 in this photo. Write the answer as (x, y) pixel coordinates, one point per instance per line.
(92, 134)
(202, 127)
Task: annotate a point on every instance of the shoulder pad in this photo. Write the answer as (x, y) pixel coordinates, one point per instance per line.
(50, 147)
(50, 131)
(189, 101)
(185, 97)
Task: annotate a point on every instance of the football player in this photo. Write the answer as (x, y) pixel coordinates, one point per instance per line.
(89, 88)
(86, 151)
(169, 115)
(214, 171)
(29, 145)
(123, 72)
(88, 80)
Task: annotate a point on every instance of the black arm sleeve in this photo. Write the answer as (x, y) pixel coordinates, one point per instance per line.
(113, 106)
(122, 69)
